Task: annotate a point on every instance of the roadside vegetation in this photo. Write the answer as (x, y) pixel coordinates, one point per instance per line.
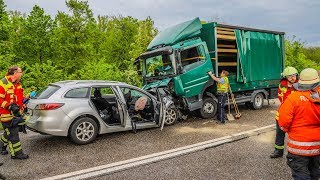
(79, 45)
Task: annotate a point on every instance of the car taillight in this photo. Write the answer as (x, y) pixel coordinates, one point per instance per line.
(49, 106)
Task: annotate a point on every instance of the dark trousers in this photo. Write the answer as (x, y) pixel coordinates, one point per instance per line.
(222, 98)
(304, 167)
(280, 135)
(10, 138)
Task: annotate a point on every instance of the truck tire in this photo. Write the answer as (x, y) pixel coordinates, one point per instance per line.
(257, 101)
(83, 131)
(209, 108)
(171, 116)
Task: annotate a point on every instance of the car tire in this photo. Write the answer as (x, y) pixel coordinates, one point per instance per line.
(83, 131)
(171, 116)
(257, 101)
(208, 108)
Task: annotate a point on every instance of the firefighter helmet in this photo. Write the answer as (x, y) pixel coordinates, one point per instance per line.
(309, 79)
(289, 71)
(309, 76)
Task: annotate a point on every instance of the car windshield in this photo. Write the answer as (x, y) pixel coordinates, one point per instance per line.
(160, 65)
(47, 92)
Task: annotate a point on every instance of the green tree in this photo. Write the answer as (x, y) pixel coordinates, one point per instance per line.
(71, 36)
(295, 55)
(32, 44)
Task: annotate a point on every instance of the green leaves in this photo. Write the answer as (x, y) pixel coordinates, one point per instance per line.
(301, 57)
(72, 45)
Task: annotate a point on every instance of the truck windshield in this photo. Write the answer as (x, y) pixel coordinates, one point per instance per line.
(160, 65)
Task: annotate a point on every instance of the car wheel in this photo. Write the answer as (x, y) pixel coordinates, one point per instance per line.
(83, 130)
(257, 101)
(209, 108)
(171, 116)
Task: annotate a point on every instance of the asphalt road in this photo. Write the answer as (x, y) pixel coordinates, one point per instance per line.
(51, 155)
(244, 160)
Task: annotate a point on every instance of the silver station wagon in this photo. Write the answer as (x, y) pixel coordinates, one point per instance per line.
(81, 109)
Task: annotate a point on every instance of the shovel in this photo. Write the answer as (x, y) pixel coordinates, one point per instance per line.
(229, 115)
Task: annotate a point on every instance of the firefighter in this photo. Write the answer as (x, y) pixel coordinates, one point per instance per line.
(299, 116)
(11, 97)
(289, 75)
(222, 93)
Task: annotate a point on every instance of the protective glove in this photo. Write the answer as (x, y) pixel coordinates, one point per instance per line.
(16, 120)
(14, 108)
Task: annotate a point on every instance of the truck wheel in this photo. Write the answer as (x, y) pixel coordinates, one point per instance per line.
(209, 108)
(257, 101)
(171, 116)
(83, 130)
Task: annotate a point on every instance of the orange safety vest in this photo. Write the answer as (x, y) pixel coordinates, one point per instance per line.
(9, 93)
(299, 116)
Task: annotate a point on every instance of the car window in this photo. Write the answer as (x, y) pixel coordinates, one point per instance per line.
(47, 92)
(77, 93)
(103, 92)
(132, 95)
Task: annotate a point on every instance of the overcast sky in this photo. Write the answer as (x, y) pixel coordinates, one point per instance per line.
(294, 17)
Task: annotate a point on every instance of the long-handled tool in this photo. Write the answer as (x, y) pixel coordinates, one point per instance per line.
(238, 114)
(230, 117)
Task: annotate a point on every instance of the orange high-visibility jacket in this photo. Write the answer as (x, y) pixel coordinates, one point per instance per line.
(9, 93)
(299, 116)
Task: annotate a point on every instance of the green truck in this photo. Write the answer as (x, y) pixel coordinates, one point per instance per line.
(179, 58)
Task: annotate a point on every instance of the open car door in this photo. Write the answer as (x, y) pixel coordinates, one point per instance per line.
(164, 104)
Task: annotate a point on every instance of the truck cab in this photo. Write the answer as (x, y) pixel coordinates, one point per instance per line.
(178, 60)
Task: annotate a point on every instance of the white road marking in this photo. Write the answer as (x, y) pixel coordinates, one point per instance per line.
(130, 163)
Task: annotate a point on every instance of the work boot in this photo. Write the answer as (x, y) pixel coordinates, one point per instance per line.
(4, 150)
(277, 153)
(2, 177)
(20, 156)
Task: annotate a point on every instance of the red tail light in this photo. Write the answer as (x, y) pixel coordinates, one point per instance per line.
(49, 106)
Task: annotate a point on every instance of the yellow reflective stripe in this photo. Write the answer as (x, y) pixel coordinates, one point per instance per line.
(280, 94)
(299, 143)
(283, 89)
(7, 130)
(11, 150)
(278, 147)
(18, 149)
(6, 117)
(19, 87)
(3, 139)
(303, 151)
(3, 104)
(2, 95)
(17, 144)
(277, 116)
(10, 91)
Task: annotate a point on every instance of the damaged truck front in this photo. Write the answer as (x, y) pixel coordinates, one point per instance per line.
(178, 59)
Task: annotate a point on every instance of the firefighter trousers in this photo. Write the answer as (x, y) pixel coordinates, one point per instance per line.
(10, 138)
(304, 167)
(280, 135)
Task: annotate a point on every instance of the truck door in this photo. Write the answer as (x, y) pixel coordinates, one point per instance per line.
(194, 64)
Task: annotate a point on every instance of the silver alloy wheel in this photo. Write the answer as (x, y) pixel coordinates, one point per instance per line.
(258, 100)
(171, 116)
(208, 108)
(85, 131)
